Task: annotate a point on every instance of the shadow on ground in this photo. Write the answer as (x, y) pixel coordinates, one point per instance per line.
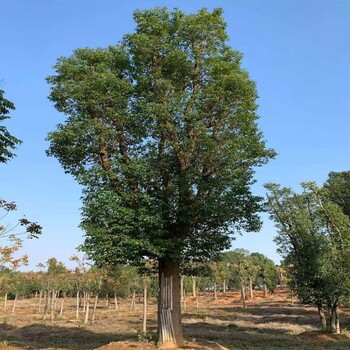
(41, 336)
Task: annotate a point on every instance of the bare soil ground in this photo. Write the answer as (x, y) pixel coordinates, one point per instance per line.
(271, 324)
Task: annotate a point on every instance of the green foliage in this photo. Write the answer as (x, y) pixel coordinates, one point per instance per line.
(314, 238)
(239, 265)
(338, 186)
(8, 143)
(162, 132)
(266, 271)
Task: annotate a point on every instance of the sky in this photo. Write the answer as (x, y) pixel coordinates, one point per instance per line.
(298, 53)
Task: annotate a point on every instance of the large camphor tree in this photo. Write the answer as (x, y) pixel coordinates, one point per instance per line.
(162, 134)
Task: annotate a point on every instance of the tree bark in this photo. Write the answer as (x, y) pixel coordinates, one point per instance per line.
(170, 334)
(334, 321)
(224, 287)
(215, 290)
(40, 298)
(5, 301)
(264, 290)
(133, 300)
(144, 321)
(53, 303)
(94, 308)
(62, 304)
(251, 292)
(243, 295)
(107, 301)
(194, 289)
(323, 319)
(14, 304)
(115, 301)
(87, 307)
(77, 306)
(47, 303)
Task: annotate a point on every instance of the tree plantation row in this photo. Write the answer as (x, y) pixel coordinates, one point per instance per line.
(235, 270)
(161, 132)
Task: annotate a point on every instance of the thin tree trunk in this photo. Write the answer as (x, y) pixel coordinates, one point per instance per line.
(251, 292)
(107, 301)
(94, 309)
(5, 301)
(47, 303)
(197, 299)
(194, 289)
(14, 304)
(322, 317)
(53, 302)
(224, 287)
(133, 300)
(77, 306)
(144, 323)
(243, 294)
(87, 307)
(115, 301)
(84, 301)
(40, 299)
(215, 291)
(170, 334)
(62, 304)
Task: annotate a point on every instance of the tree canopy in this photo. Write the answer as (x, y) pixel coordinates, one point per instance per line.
(162, 132)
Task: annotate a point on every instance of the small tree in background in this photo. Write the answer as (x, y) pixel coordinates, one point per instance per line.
(266, 272)
(314, 238)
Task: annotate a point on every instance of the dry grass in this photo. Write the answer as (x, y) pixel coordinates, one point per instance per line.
(269, 324)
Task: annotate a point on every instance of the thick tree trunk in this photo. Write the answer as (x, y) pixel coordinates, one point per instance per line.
(334, 321)
(170, 334)
(322, 317)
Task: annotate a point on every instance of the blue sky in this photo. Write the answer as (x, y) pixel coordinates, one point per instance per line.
(298, 52)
